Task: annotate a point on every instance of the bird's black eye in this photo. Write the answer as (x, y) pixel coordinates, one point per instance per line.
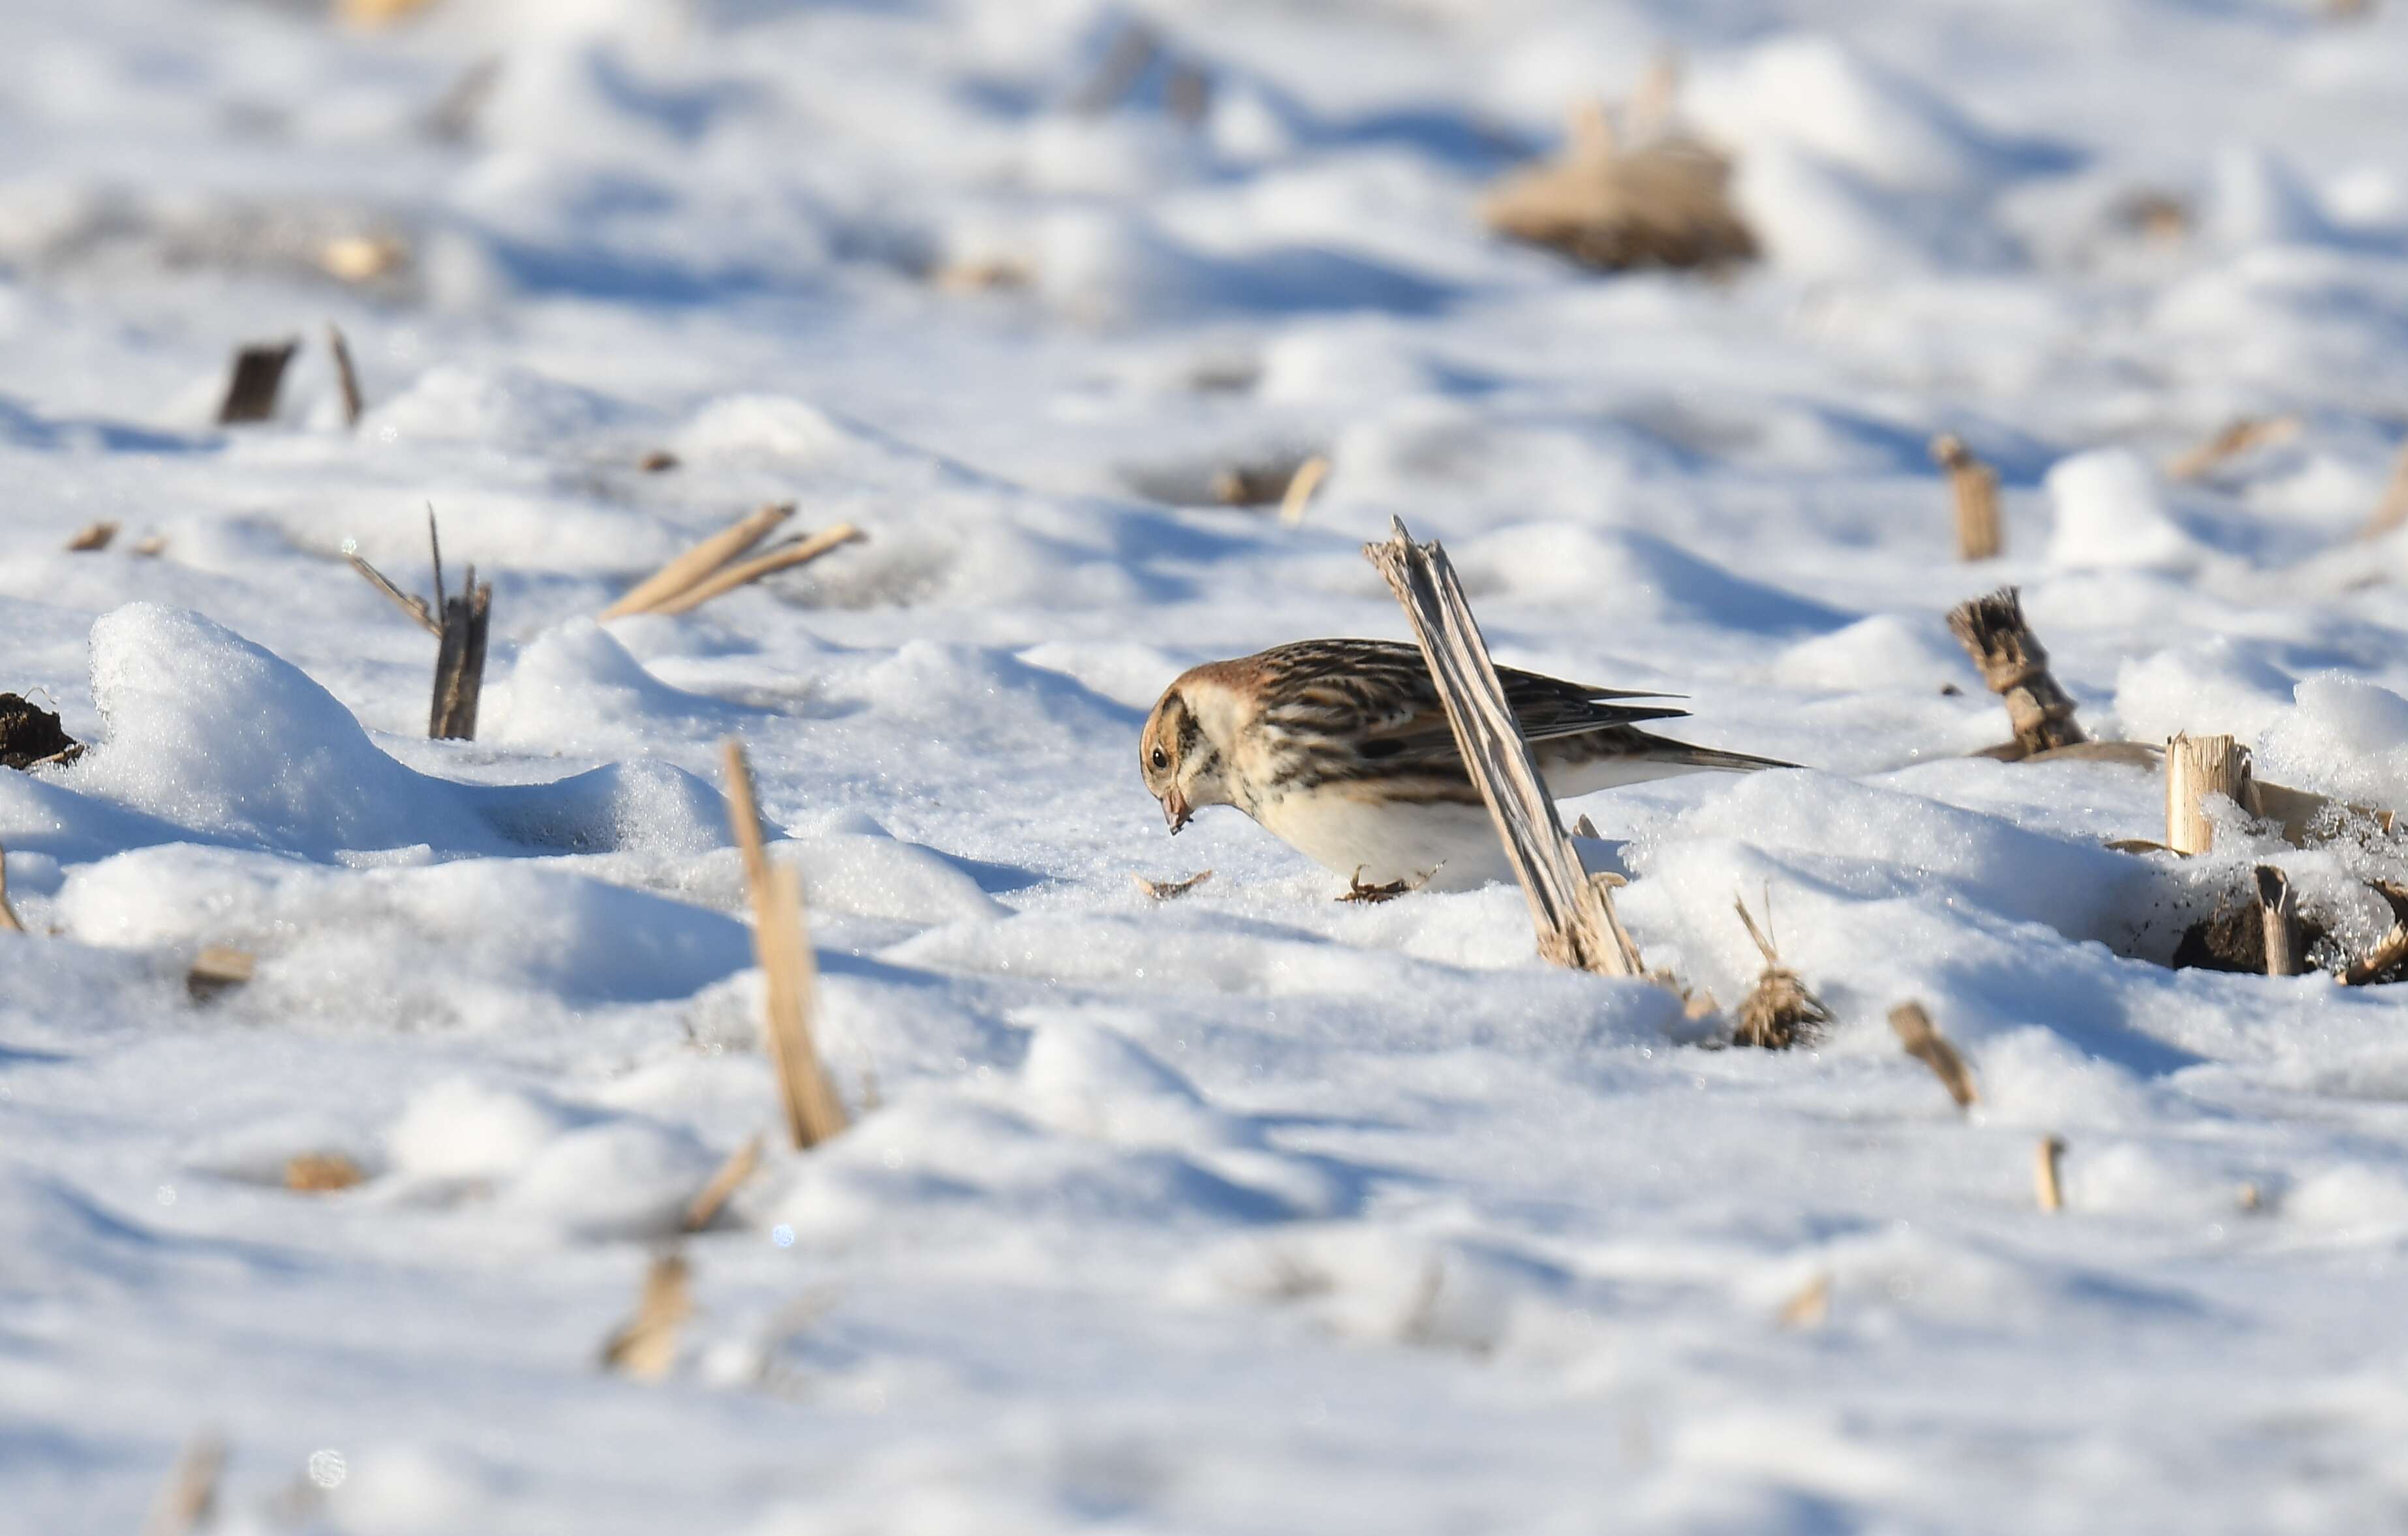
(1161, 758)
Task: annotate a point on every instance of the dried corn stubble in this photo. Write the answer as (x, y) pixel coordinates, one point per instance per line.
(1660, 204)
(1923, 1041)
(2235, 439)
(1810, 1306)
(699, 561)
(1778, 1013)
(217, 970)
(2391, 953)
(347, 376)
(1573, 915)
(2015, 667)
(257, 380)
(2278, 921)
(2391, 511)
(1974, 487)
(321, 1173)
(187, 1501)
(813, 1110)
(1300, 488)
(714, 1196)
(2048, 1188)
(645, 1346)
(778, 557)
(2197, 766)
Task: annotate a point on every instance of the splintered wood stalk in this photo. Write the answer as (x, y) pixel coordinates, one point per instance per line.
(645, 1346)
(188, 1500)
(2236, 437)
(460, 661)
(1301, 487)
(2303, 816)
(1573, 915)
(813, 1110)
(258, 378)
(2278, 910)
(714, 1196)
(2389, 951)
(218, 968)
(2392, 510)
(2197, 766)
(2015, 667)
(347, 377)
(1778, 1013)
(783, 557)
(1926, 1044)
(415, 606)
(1975, 487)
(2047, 1157)
(701, 561)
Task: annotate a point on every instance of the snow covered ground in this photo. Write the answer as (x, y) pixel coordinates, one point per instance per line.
(1251, 1212)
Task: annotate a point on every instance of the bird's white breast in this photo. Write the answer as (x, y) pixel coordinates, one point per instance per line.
(1450, 847)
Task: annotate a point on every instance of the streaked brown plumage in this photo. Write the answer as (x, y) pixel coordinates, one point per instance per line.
(1341, 748)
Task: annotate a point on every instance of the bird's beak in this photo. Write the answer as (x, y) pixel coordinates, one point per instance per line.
(1174, 810)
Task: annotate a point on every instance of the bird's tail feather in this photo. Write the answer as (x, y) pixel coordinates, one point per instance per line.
(1711, 758)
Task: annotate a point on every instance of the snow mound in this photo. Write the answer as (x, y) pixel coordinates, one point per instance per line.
(212, 735)
(2257, 199)
(857, 867)
(576, 688)
(2346, 735)
(1817, 94)
(1099, 1127)
(624, 1179)
(471, 940)
(456, 403)
(210, 732)
(1879, 845)
(770, 427)
(2112, 511)
(1628, 572)
(1820, 220)
(1913, 654)
(461, 1128)
(2219, 685)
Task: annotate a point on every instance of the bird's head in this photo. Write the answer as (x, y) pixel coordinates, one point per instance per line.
(1181, 763)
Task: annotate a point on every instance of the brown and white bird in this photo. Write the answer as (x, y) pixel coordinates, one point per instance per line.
(1342, 749)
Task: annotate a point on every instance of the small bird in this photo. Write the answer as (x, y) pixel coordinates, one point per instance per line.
(1342, 749)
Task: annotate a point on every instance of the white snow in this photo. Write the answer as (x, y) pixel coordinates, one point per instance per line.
(1248, 1210)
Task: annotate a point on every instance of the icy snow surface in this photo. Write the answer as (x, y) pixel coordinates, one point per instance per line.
(1249, 1212)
